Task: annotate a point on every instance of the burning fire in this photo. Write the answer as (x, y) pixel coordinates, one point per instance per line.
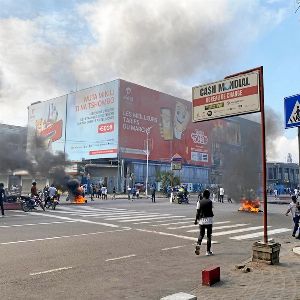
(79, 199)
(250, 205)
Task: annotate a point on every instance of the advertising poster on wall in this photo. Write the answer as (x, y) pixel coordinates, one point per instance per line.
(92, 127)
(48, 120)
(167, 123)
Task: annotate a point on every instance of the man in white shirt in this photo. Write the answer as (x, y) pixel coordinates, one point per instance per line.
(294, 208)
(222, 194)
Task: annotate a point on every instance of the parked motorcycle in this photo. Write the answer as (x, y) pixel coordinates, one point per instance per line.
(31, 203)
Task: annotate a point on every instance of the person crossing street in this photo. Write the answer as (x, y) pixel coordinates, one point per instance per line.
(2, 198)
(204, 216)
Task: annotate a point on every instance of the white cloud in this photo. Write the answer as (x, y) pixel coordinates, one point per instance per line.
(161, 44)
(284, 146)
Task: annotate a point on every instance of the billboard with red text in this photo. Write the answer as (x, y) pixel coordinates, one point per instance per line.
(92, 122)
(166, 122)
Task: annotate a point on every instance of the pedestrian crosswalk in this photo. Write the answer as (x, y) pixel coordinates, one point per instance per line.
(181, 226)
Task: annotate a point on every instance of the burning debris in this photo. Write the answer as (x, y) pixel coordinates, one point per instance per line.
(250, 205)
(75, 191)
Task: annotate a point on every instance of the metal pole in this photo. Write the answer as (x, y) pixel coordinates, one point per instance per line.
(147, 154)
(299, 155)
(263, 139)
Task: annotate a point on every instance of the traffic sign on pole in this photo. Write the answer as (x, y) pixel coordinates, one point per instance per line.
(292, 111)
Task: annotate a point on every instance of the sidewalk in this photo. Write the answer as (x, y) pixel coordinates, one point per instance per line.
(263, 282)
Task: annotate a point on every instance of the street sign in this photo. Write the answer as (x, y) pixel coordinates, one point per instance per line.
(230, 97)
(176, 165)
(176, 162)
(292, 111)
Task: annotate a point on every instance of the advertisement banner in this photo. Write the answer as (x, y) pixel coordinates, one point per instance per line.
(230, 97)
(48, 119)
(166, 122)
(92, 126)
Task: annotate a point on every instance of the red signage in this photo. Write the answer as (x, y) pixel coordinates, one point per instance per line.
(107, 127)
(164, 120)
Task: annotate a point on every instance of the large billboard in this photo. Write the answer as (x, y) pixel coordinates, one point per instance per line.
(166, 122)
(92, 127)
(48, 119)
(230, 97)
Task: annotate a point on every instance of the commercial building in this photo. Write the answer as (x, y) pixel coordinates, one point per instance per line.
(108, 130)
(282, 175)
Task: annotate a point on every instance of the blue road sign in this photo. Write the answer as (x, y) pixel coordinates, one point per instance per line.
(292, 111)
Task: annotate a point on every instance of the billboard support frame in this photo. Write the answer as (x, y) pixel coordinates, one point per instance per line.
(263, 140)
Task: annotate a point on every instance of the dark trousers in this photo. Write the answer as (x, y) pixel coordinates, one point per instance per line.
(296, 224)
(222, 198)
(153, 197)
(208, 233)
(2, 207)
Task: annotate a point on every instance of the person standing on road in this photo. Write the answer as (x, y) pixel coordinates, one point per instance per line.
(294, 208)
(153, 194)
(205, 217)
(2, 198)
(114, 193)
(221, 194)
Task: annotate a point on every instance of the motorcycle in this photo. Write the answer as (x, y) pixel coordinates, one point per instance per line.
(31, 203)
(182, 198)
(51, 202)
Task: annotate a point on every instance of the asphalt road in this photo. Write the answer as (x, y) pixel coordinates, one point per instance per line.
(120, 249)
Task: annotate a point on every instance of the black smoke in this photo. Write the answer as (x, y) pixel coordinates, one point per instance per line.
(241, 162)
(34, 157)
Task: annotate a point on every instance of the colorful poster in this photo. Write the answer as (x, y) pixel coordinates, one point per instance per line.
(48, 119)
(166, 122)
(92, 126)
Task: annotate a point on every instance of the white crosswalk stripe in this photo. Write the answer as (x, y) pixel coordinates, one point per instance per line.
(136, 217)
(155, 218)
(221, 227)
(193, 225)
(237, 230)
(257, 234)
(174, 223)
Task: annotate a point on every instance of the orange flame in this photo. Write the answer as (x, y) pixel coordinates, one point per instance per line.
(79, 199)
(250, 205)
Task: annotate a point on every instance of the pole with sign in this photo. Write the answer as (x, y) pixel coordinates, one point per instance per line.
(237, 94)
(292, 116)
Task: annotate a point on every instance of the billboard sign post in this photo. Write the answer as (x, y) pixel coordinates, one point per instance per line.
(237, 94)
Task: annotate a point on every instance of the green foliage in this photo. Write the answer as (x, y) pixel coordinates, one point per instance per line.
(168, 179)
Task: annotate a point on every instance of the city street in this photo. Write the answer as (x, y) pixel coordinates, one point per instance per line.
(120, 249)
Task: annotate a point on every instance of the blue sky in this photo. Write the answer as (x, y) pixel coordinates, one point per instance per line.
(50, 47)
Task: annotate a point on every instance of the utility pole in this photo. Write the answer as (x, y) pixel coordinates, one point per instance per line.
(147, 157)
(298, 156)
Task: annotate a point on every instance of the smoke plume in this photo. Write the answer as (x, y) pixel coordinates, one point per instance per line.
(274, 130)
(167, 45)
(241, 164)
(39, 162)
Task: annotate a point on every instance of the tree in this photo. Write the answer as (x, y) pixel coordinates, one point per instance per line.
(168, 179)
